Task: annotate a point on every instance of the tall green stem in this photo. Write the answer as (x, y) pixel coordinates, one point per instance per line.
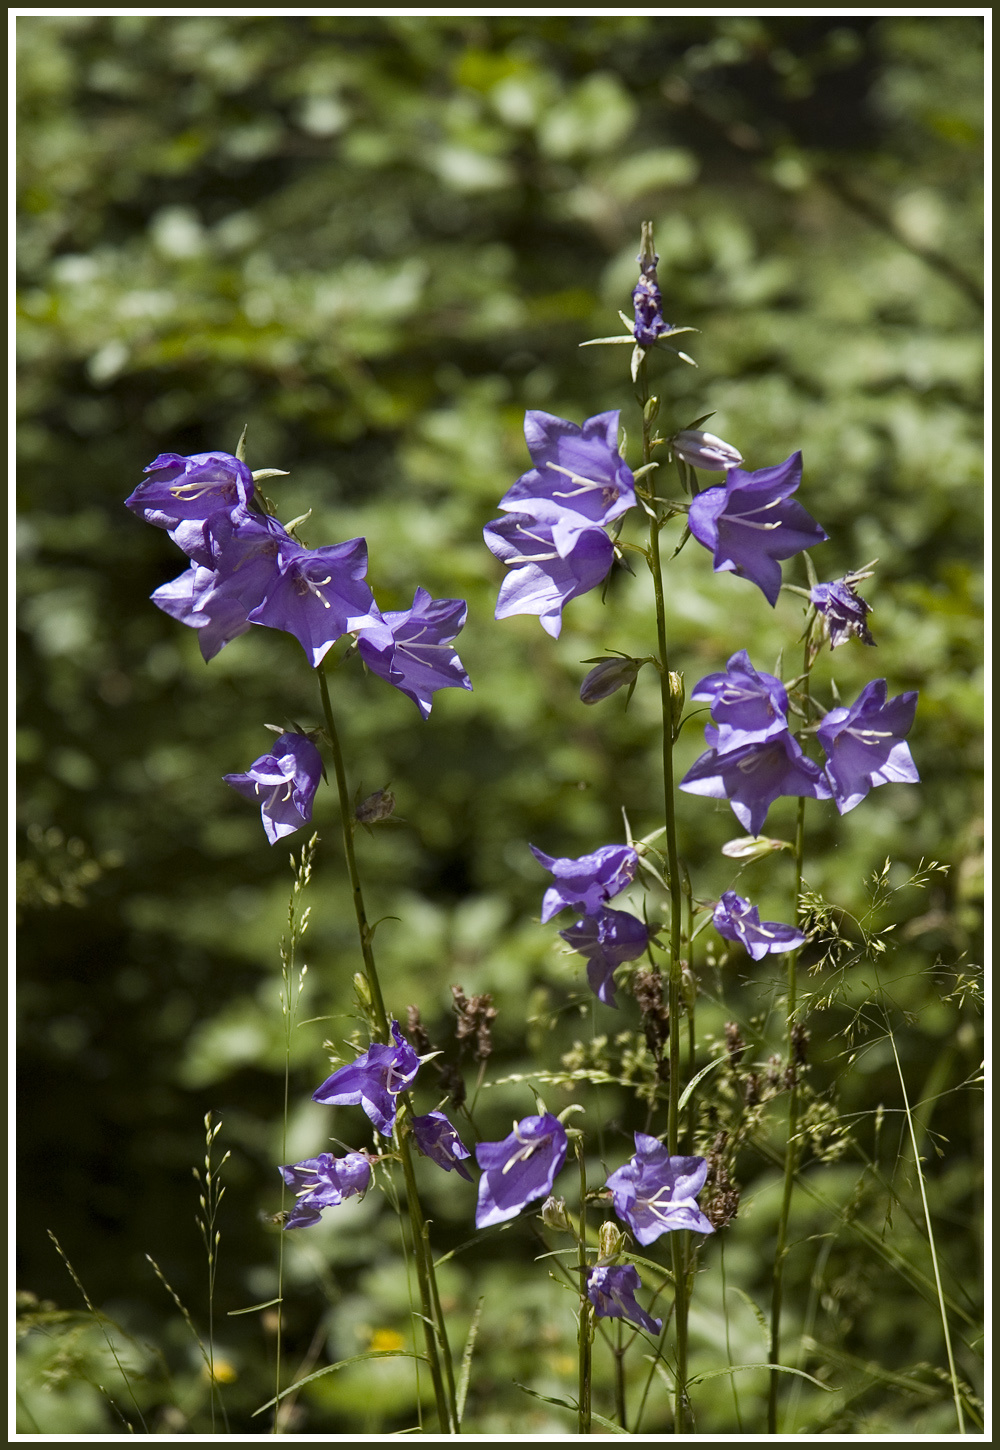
(584, 1340)
(435, 1330)
(678, 1242)
(791, 1143)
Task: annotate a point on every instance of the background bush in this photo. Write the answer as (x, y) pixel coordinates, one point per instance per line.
(376, 242)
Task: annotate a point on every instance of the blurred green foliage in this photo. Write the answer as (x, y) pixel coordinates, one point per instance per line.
(376, 241)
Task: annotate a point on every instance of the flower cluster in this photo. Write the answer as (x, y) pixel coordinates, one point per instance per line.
(754, 758)
(553, 537)
(606, 938)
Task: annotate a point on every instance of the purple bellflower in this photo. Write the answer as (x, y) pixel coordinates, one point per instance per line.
(193, 598)
(736, 920)
(646, 300)
(320, 594)
(543, 580)
(438, 1140)
(655, 1193)
(191, 488)
(864, 744)
(746, 706)
(607, 939)
(612, 1293)
(324, 1182)
(284, 782)
(579, 480)
(751, 522)
(373, 1081)
(753, 776)
(843, 610)
(704, 450)
(586, 882)
(519, 1169)
(421, 659)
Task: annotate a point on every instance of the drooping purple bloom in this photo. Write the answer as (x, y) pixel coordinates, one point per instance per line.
(438, 1140)
(655, 1193)
(843, 610)
(579, 479)
(324, 1182)
(753, 776)
(543, 580)
(704, 450)
(193, 598)
(197, 487)
(736, 920)
(421, 659)
(586, 882)
(609, 675)
(745, 705)
(607, 939)
(612, 1293)
(864, 744)
(519, 1169)
(750, 522)
(284, 782)
(373, 1081)
(320, 594)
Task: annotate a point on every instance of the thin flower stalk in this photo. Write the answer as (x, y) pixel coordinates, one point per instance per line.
(435, 1331)
(585, 1333)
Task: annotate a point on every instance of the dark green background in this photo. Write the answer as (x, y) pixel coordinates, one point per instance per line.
(376, 242)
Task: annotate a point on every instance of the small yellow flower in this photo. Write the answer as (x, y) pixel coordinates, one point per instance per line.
(224, 1372)
(386, 1339)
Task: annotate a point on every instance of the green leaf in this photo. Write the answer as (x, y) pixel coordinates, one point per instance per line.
(780, 1368)
(686, 1094)
(342, 1364)
(252, 1308)
(466, 1370)
(563, 1404)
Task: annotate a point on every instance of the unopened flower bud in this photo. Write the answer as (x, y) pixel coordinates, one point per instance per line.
(677, 698)
(379, 806)
(554, 1215)
(610, 1240)
(704, 450)
(607, 677)
(752, 848)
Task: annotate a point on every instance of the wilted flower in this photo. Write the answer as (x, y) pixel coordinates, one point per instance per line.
(864, 744)
(579, 479)
(544, 580)
(750, 522)
(654, 1193)
(746, 706)
(324, 1182)
(519, 1169)
(607, 939)
(612, 1293)
(376, 807)
(438, 1140)
(284, 781)
(736, 920)
(843, 610)
(753, 776)
(646, 301)
(704, 450)
(586, 882)
(420, 659)
(373, 1081)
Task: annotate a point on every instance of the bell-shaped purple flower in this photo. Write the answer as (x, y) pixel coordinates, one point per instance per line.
(612, 1292)
(320, 594)
(324, 1182)
(864, 744)
(373, 1081)
(284, 782)
(519, 1169)
(421, 659)
(750, 522)
(438, 1140)
(607, 939)
(736, 920)
(579, 479)
(753, 776)
(197, 487)
(193, 598)
(543, 580)
(655, 1193)
(586, 882)
(746, 706)
(843, 610)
